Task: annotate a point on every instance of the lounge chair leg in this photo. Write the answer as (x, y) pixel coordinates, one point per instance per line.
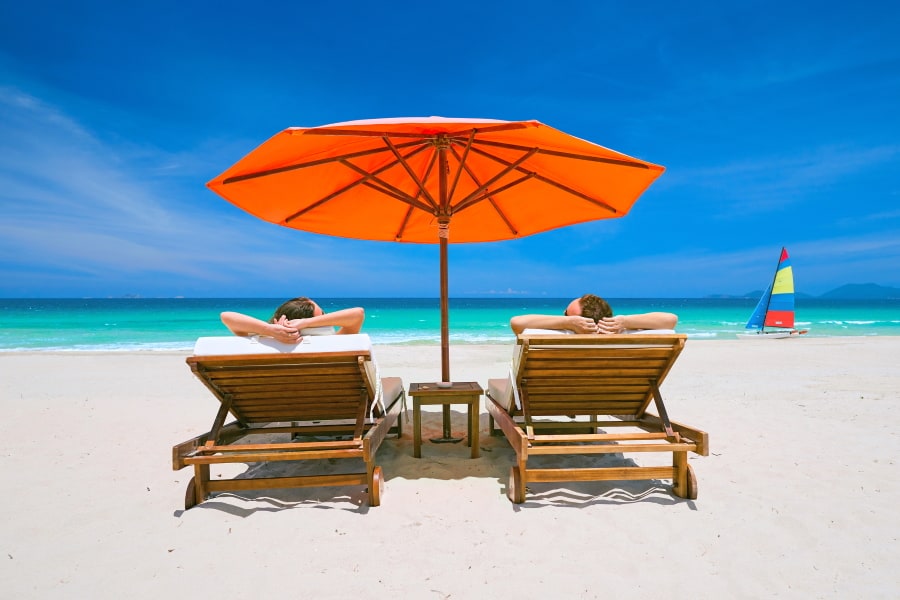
(515, 487)
(190, 495)
(685, 481)
(376, 487)
(691, 484)
(199, 481)
(196, 488)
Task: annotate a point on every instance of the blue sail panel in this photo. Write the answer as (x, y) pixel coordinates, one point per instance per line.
(782, 302)
(757, 319)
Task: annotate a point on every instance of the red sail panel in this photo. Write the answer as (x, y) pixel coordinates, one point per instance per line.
(779, 318)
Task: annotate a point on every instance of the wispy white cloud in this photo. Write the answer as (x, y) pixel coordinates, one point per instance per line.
(77, 205)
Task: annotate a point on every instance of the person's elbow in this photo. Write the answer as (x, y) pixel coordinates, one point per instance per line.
(228, 319)
(235, 322)
(668, 320)
(517, 324)
(355, 318)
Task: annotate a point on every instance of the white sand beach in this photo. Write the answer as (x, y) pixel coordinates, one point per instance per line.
(797, 499)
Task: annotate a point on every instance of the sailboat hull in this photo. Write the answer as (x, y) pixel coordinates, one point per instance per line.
(766, 335)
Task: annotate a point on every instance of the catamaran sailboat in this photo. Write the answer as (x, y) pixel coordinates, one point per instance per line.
(776, 307)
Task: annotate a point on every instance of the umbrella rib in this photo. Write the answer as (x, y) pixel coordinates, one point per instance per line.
(465, 166)
(386, 188)
(432, 161)
(549, 181)
(512, 229)
(612, 161)
(478, 194)
(402, 197)
(366, 175)
(418, 150)
(408, 169)
(312, 163)
(487, 195)
(462, 163)
(398, 236)
(319, 203)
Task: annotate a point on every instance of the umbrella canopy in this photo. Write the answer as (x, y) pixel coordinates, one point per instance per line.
(433, 180)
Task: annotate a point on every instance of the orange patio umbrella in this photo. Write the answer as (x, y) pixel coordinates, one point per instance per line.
(433, 180)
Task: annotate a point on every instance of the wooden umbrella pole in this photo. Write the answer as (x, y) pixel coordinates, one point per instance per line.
(445, 309)
(443, 238)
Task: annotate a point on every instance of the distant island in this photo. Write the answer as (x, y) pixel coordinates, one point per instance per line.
(850, 291)
(862, 291)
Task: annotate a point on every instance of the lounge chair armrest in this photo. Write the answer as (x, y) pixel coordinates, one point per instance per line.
(391, 390)
(500, 391)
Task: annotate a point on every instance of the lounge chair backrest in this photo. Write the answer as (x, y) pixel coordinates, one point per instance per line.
(264, 381)
(591, 374)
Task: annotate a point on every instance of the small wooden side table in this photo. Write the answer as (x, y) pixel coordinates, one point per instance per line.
(460, 392)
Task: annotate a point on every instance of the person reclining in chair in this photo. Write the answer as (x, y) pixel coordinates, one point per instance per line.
(291, 318)
(592, 314)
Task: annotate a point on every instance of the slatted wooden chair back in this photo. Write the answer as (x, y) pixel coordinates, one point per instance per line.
(289, 387)
(593, 375)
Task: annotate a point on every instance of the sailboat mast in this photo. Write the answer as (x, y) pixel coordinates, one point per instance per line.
(772, 287)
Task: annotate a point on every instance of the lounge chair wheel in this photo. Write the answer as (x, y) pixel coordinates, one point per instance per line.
(691, 484)
(377, 487)
(190, 495)
(515, 488)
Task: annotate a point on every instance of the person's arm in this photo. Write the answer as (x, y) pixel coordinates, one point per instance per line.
(350, 320)
(575, 323)
(245, 325)
(651, 320)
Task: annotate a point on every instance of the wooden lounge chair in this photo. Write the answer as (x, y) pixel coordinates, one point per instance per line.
(561, 385)
(322, 395)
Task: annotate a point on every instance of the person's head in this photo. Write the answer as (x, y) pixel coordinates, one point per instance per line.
(590, 306)
(297, 308)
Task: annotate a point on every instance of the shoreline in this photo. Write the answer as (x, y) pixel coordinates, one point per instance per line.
(460, 346)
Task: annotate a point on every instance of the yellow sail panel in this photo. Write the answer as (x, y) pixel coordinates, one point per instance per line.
(784, 281)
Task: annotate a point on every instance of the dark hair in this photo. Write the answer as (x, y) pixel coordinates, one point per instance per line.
(296, 308)
(594, 307)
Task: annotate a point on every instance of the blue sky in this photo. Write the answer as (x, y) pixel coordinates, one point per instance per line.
(777, 122)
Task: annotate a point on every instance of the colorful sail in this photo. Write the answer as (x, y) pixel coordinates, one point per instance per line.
(758, 318)
(781, 304)
(776, 307)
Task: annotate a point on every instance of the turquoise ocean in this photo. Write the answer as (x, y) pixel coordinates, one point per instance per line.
(175, 323)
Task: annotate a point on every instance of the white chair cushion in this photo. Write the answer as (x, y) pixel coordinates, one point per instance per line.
(501, 392)
(530, 331)
(233, 344)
